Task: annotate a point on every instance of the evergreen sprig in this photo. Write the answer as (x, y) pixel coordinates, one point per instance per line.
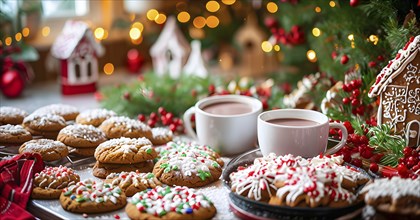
(384, 142)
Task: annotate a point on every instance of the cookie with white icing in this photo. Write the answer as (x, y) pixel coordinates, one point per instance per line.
(11, 115)
(46, 125)
(81, 136)
(14, 134)
(125, 151)
(68, 112)
(94, 117)
(50, 150)
(161, 135)
(170, 203)
(395, 195)
(116, 127)
(49, 183)
(91, 196)
(133, 182)
(102, 170)
(187, 171)
(189, 149)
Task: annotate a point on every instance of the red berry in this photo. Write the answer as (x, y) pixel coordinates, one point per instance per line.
(356, 93)
(366, 154)
(346, 100)
(212, 89)
(407, 151)
(151, 123)
(401, 161)
(357, 162)
(169, 116)
(347, 157)
(164, 120)
(127, 96)
(264, 103)
(376, 158)
(415, 168)
(344, 59)
(194, 93)
(116, 216)
(372, 64)
(173, 127)
(381, 58)
(153, 116)
(162, 111)
(141, 117)
(402, 170)
(354, 3)
(355, 102)
(374, 167)
(334, 55)
(346, 88)
(363, 139)
(332, 132)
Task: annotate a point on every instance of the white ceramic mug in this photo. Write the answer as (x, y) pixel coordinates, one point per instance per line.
(227, 134)
(305, 140)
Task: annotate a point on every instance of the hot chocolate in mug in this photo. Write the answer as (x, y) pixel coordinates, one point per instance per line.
(226, 123)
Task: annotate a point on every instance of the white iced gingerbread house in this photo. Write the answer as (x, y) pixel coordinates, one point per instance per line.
(78, 52)
(170, 52)
(398, 88)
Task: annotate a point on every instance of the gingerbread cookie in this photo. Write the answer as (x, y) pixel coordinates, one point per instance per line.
(81, 136)
(161, 135)
(84, 151)
(125, 151)
(92, 197)
(102, 170)
(14, 134)
(396, 195)
(94, 117)
(189, 149)
(187, 171)
(116, 127)
(50, 150)
(11, 115)
(68, 112)
(46, 125)
(133, 182)
(170, 203)
(49, 183)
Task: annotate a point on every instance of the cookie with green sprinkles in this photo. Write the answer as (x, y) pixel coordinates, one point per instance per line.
(187, 171)
(91, 196)
(170, 203)
(133, 182)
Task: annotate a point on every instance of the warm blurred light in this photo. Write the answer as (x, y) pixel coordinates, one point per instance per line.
(212, 21)
(199, 22)
(8, 41)
(212, 6)
(137, 41)
(135, 33)
(138, 25)
(353, 45)
(318, 9)
(45, 31)
(228, 2)
(160, 19)
(374, 39)
(272, 7)
(311, 55)
(109, 69)
(99, 33)
(332, 4)
(132, 17)
(266, 46)
(350, 37)
(277, 47)
(25, 32)
(105, 35)
(152, 14)
(18, 36)
(183, 17)
(196, 33)
(316, 32)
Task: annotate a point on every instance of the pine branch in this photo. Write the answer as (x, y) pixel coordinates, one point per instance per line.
(392, 146)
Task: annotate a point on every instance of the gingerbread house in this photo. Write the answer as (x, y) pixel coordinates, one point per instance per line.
(78, 52)
(398, 88)
(170, 51)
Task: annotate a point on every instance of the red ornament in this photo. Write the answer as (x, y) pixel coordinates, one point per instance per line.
(271, 22)
(372, 64)
(134, 61)
(334, 55)
(344, 59)
(12, 83)
(354, 3)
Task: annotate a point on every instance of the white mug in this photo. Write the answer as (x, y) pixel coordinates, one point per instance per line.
(227, 133)
(306, 140)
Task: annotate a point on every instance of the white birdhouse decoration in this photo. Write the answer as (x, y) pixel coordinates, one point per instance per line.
(195, 64)
(78, 52)
(170, 51)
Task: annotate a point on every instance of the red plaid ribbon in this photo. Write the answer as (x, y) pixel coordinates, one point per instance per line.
(16, 180)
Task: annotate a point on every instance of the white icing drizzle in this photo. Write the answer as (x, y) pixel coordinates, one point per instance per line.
(190, 166)
(92, 191)
(87, 132)
(13, 130)
(93, 114)
(125, 179)
(7, 111)
(161, 132)
(395, 188)
(56, 178)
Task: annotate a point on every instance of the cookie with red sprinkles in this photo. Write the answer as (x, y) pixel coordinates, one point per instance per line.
(170, 203)
(49, 183)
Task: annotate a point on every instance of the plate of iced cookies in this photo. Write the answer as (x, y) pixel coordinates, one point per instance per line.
(101, 165)
(288, 186)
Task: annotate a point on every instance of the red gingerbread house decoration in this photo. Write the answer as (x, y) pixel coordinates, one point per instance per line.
(398, 88)
(78, 52)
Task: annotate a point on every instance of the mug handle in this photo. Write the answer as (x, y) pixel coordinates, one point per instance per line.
(343, 141)
(187, 122)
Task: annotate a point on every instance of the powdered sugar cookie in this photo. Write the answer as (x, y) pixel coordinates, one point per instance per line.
(13, 134)
(68, 112)
(91, 196)
(94, 117)
(49, 183)
(116, 127)
(133, 182)
(11, 115)
(161, 135)
(81, 136)
(125, 151)
(47, 125)
(50, 150)
(170, 203)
